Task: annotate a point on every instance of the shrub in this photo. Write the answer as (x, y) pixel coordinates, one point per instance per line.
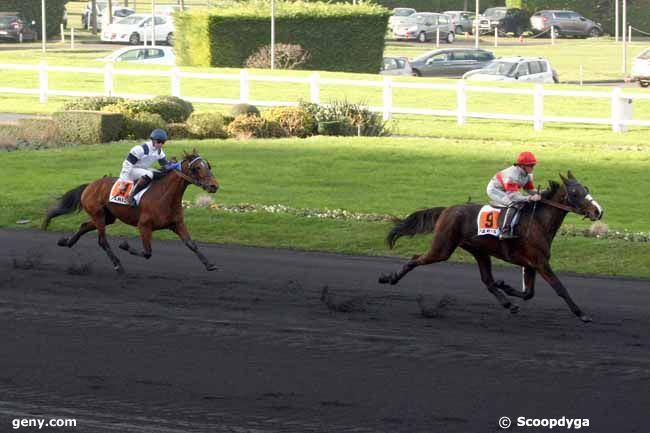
(178, 131)
(95, 103)
(244, 109)
(227, 120)
(140, 125)
(297, 121)
(247, 126)
(354, 119)
(87, 127)
(206, 125)
(287, 56)
(37, 132)
(170, 108)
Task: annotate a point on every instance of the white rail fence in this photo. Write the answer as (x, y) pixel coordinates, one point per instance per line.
(620, 118)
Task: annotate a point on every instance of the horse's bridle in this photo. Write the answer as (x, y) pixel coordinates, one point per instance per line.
(190, 179)
(573, 208)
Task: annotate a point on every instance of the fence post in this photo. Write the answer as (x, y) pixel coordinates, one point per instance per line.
(617, 110)
(176, 82)
(72, 38)
(243, 85)
(496, 37)
(437, 37)
(314, 88)
(388, 97)
(42, 78)
(461, 103)
(538, 107)
(62, 34)
(108, 79)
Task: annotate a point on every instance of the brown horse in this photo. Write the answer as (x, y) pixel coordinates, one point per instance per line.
(456, 226)
(160, 208)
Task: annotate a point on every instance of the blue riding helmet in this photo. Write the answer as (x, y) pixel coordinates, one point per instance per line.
(158, 135)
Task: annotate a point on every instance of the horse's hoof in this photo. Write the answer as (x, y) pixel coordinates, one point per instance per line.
(211, 267)
(514, 309)
(125, 246)
(63, 242)
(384, 279)
(119, 269)
(585, 318)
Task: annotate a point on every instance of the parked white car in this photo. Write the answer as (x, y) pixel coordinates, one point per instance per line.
(150, 55)
(641, 68)
(520, 69)
(135, 29)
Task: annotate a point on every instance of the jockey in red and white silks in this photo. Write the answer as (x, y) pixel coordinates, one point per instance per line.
(503, 188)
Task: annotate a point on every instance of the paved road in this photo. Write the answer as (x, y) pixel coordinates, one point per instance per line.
(171, 348)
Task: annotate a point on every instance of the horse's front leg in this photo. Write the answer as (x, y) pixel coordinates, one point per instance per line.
(528, 276)
(547, 273)
(145, 235)
(181, 230)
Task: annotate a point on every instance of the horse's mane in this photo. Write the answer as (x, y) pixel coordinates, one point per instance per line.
(553, 187)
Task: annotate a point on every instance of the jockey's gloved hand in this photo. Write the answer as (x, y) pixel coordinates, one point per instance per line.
(173, 166)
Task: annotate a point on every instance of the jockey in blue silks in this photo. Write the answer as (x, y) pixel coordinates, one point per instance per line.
(137, 165)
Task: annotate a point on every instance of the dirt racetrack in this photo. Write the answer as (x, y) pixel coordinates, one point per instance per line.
(170, 348)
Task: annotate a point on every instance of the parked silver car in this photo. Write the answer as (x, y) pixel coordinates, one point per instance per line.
(450, 62)
(396, 66)
(461, 21)
(565, 23)
(423, 26)
(399, 16)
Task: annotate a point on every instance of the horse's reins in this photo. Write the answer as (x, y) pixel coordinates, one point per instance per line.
(559, 205)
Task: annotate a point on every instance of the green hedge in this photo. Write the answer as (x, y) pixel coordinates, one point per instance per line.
(340, 37)
(31, 11)
(87, 127)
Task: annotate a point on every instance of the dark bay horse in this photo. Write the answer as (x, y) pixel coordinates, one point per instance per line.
(456, 226)
(160, 208)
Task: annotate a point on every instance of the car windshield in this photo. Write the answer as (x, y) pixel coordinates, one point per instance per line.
(500, 68)
(402, 12)
(644, 55)
(130, 20)
(7, 20)
(494, 13)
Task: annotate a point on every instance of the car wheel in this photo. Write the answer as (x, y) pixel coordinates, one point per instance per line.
(644, 83)
(451, 37)
(422, 37)
(518, 31)
(417, 73)
(134, 39)
(594, 33)
(170, 39)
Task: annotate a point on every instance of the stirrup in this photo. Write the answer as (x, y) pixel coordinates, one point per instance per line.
(509, 234)
(131, 201)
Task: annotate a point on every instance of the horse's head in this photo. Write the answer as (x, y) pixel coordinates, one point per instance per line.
(200, 171)
(578, 197)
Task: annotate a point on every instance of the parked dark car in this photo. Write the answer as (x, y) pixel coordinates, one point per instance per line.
(450, 62)
(14, 28)
(506, 20)
(565, 23)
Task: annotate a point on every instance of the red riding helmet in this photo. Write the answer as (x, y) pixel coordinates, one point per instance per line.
(526, 158)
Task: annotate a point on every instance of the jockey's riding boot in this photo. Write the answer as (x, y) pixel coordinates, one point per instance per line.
(508, 230)
(141, 184)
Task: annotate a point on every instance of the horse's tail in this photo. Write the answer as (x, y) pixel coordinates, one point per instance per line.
(422, 221)
(68, 203)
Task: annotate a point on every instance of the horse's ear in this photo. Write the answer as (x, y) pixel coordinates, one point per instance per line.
(570, 175)
(194, 151)
(185, 155)
(564, 179)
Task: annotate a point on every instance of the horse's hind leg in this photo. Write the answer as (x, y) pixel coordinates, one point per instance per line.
(83, 229)
(441, 249)
(485, 267)
(145, 235)
(181, 230)
(99, 221)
